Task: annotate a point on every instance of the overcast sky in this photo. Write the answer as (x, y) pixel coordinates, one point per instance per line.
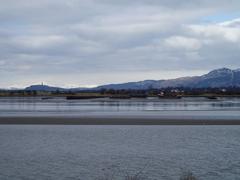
(74, 43)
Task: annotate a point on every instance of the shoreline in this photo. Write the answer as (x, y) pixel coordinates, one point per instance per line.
(111, 121)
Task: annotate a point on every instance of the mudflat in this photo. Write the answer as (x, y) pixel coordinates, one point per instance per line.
(113, 121)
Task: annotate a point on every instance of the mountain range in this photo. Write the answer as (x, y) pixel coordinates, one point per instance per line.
(223, 77)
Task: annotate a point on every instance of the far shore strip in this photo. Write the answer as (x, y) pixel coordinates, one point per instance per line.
(112, 121)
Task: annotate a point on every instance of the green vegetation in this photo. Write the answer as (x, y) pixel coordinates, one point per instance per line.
(188, 176)
(140, 176)
(129, 93)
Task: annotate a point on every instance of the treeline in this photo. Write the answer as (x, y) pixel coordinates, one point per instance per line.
(176, 91)
(181, 91)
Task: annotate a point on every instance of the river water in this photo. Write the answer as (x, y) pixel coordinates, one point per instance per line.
(187, 108)
(38, 152)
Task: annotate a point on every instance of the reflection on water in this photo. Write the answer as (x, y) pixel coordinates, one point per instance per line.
(61, 106)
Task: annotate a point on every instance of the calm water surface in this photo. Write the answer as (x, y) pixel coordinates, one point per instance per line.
(88, 152)
(226, 108)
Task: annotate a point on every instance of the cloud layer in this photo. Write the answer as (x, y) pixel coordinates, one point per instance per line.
(90, 42)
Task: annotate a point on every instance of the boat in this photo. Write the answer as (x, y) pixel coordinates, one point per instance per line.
(120, 97)
(169, 97)
(138, 96)
(46, 98)
(82, 97)
(212, 97)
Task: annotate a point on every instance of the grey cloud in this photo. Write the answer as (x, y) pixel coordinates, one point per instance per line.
(79, 37)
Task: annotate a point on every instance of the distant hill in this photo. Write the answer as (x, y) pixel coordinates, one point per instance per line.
(223, 77)
(43, 88)
(131, 85)
(217, 78)
(51, 88)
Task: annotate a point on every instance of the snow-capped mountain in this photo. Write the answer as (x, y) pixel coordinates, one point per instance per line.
(217, 78)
